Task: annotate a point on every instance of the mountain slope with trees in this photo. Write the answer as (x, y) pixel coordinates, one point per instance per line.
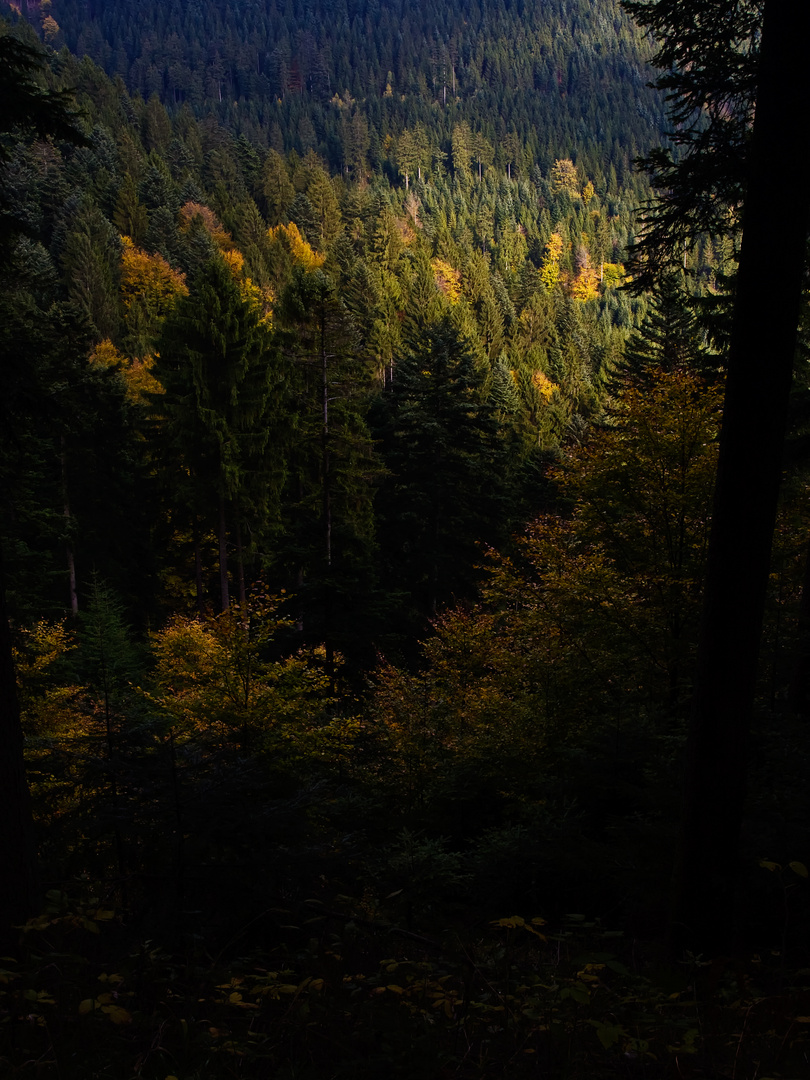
(561, 79)
(355, 520)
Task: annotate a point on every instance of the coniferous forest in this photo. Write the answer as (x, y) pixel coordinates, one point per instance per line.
(404, 544)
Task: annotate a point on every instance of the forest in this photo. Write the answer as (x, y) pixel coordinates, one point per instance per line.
(404, 544)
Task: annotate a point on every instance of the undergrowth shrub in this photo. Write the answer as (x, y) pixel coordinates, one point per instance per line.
(348, 993)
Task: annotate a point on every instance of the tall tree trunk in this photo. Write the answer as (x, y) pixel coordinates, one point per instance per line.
(71, 562)
(763, 341)
(240, 569)
(224, 590)
(327, 510)
(799, 689)
(198, 578)
(19, 891)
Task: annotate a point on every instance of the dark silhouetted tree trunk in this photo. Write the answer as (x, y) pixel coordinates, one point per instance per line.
(799, 690)
(763, 341)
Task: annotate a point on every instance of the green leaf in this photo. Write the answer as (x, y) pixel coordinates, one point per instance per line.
(117, 1014)
(614, 965)
(609, 1034)
(798, 868)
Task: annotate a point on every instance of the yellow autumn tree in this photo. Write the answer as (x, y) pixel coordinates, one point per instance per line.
(49, 704)
(563, 178)
(585, 285)
(448, 280)
(215, 682)
(550, 269)
(149, 280)
(50, 29)
(545, 387)
(289, 239)
(136, 372)
(592, 623)
(613, 275)
(149, 290)
(257, 296)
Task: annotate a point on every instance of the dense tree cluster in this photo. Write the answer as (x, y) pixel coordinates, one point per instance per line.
(355, 525)
(259, 318)
(534, 83)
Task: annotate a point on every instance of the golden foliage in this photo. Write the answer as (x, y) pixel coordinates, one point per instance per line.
(257, 296)
(140, 380)
(49, 706)
(585, 285)
(596, 613)
(260, 297)
(550, 270)
(149, 277)
(544, 385)
(290, 239)
(50, 29)
(106, 355)
(235, 261)
(448, 280)
(215, 681)
(563, 177)
(136, 373)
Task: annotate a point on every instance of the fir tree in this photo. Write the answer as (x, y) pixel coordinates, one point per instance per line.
(217, 420)
(669, 338)
(442, 446)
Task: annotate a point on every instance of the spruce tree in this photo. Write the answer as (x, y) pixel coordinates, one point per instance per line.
(669, 338)
(443, 450)
(218, 432)
(329, 529)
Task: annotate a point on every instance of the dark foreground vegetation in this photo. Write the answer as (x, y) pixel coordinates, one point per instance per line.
(394, 683)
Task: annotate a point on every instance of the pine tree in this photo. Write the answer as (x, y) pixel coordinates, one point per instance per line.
(447, 487)
(669, 337)
(329, 541)
(29, 111)
(217, 417)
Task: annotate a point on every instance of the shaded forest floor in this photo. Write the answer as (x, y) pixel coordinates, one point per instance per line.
(308, 954)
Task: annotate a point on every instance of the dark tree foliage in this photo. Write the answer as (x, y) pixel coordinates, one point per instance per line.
(29, 111)
(443, 447)
(669, 337)
(215, 416)
(760, 366)
(342, 79)
(327, 546)
(709, 54)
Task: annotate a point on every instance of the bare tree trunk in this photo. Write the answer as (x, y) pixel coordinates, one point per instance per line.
(763, 342)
